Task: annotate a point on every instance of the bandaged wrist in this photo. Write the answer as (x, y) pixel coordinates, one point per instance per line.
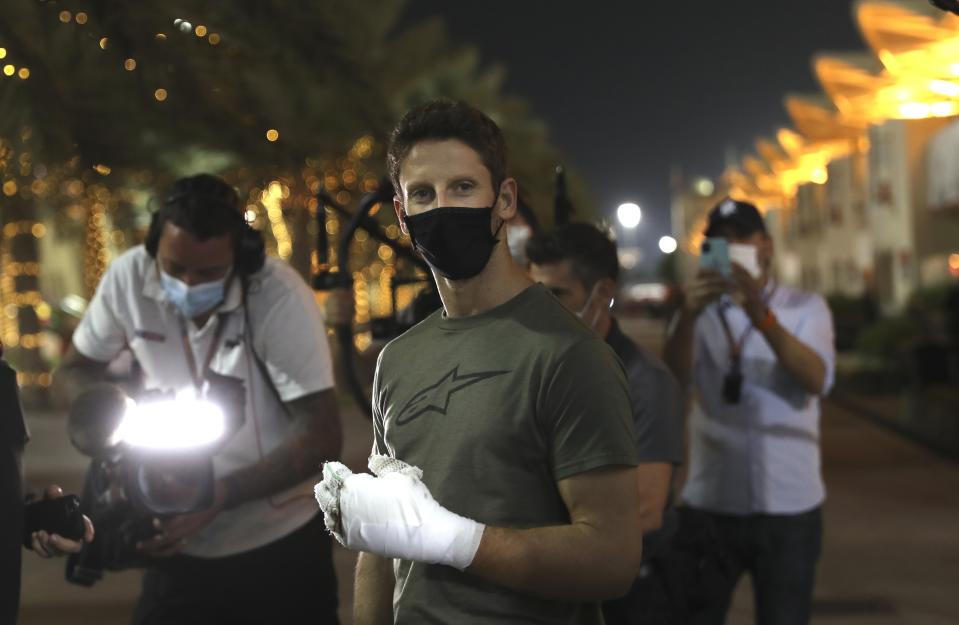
(395, 516)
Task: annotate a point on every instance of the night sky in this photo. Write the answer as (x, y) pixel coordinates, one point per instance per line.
(631, 89)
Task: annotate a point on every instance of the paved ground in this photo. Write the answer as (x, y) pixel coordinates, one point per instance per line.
(891, 551)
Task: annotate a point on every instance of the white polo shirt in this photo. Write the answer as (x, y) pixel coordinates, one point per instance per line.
(130, 310)
(760, 456)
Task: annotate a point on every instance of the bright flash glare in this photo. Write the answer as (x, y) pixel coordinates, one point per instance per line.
(705, 186)
(629, 215)
(177, 424)
(667, 245)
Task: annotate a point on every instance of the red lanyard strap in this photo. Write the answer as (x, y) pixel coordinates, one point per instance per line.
(736, 347)
(188, 350)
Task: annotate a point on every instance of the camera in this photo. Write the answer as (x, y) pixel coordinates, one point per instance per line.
(60, 515)
(151, 457)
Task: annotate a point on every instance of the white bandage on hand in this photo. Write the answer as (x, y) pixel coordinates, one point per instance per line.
(394, 515)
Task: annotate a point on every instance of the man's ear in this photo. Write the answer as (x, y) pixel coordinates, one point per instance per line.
(400, 215)
(505, 207)
(606, 290)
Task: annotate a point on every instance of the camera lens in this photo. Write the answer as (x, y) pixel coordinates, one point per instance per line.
(706, 246)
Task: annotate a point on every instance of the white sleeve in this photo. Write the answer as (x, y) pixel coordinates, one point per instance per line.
(816, 332)
(100, 335)
(291, 340)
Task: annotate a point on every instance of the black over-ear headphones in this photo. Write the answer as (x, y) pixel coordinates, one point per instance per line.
(250, 251)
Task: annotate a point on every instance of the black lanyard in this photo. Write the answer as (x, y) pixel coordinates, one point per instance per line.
(736, 347)
(188, 350)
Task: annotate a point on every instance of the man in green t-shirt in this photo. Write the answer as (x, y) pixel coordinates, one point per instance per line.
(505, 479)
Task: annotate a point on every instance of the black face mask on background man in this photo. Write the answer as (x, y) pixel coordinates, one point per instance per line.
(455, 241)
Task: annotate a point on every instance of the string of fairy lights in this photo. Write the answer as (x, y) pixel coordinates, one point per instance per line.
(97, 255)
(19, 286)
(161, 93)
(345, 179)
(84, 202)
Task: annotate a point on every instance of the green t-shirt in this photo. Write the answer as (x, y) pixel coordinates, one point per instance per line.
(496, 409)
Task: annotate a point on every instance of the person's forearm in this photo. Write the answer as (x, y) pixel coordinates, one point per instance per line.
(678, 350)
(373, 590)
(651, 520)
(318, 437)
(655, 479)
(571, 562)
(284, 467)
(797, 358)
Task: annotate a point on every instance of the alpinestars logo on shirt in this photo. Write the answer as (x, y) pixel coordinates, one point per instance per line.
(436, 398)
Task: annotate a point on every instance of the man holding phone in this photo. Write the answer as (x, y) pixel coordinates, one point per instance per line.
(758, 356)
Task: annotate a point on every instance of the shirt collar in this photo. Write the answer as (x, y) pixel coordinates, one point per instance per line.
(617, 340)
(234, 296)
(152, 287)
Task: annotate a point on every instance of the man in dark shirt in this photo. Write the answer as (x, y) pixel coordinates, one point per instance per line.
(13, 438)
(578, 263)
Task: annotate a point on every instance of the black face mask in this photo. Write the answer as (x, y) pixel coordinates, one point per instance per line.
(455, 241)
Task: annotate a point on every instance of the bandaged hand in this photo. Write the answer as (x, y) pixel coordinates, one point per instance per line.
(392, 514)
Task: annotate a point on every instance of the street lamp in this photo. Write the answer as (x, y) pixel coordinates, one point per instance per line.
(667, 245)
(629, 215)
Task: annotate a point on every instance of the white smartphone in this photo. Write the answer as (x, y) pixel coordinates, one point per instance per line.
(747, 256)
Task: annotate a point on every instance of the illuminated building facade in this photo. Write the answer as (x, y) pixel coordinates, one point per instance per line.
(863, 193)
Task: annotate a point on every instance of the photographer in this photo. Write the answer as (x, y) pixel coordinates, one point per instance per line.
(200, 299)
(758, 355)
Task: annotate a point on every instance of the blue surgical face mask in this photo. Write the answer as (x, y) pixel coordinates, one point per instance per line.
(194, 300)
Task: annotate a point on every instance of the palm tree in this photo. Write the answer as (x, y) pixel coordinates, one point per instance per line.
(108, 102)
(100, 95)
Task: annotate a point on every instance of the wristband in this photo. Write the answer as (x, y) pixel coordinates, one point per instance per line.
(768, 321)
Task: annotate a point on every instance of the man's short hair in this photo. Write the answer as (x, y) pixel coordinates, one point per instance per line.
(591, 252)
(203, 205)
(439, 120)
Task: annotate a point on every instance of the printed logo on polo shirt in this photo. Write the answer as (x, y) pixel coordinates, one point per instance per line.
(150, 335)
(436, 398)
